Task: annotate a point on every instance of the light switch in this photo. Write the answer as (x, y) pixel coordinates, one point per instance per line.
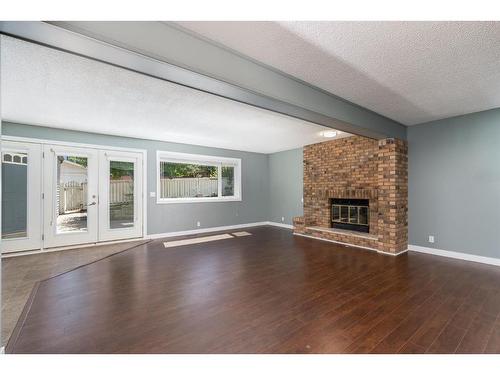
(152, 194)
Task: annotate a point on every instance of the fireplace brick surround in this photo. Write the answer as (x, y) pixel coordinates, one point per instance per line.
(357, 168)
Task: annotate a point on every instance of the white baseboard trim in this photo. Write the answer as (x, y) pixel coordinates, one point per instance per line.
(281, 225)
(205, 230)
(455, 255)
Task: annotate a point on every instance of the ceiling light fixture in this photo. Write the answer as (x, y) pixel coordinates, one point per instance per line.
(329, 133)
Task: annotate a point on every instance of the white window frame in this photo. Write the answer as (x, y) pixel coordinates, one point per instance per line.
(218, 161)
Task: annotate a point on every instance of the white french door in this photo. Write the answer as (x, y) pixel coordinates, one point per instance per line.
(120, 195)
(21, 196)
(70, 185)
(60, 195)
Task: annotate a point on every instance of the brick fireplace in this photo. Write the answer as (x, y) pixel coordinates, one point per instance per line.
(356, 172)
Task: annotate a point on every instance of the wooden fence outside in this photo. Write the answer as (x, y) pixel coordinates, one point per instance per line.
(121, 191)
(188, 187)
(71, 196)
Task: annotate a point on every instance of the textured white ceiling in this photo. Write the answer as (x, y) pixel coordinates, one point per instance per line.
(43, 86)
(412, 72)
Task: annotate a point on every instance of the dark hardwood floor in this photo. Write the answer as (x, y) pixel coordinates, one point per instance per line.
(270, 292)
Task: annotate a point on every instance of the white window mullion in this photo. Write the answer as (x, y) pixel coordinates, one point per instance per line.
(219, 180)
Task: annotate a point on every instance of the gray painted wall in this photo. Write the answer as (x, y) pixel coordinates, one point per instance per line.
(454, 184)
(285, 185)
(177, 217)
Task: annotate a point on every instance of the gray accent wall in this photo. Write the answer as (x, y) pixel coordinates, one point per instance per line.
(285, 185)
(454, 184)
(183, 216)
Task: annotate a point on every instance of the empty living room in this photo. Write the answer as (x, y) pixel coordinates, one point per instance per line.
(204, 186)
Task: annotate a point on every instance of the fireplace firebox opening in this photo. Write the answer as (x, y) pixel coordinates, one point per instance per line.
(351, 214)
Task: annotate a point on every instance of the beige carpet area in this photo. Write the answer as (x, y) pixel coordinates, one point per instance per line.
(19, 275)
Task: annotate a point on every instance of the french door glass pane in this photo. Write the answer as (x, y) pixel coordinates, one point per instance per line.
(121, 194)
(227, 181)
(71, 194)
(14, 194)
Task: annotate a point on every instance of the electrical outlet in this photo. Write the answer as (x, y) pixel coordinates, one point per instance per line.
(282, 219)
(431, 239)
(198, 224)
(152, 194)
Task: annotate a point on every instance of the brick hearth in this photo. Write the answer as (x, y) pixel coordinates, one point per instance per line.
(360, 168)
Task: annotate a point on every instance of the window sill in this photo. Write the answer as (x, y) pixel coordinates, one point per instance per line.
(197, 200)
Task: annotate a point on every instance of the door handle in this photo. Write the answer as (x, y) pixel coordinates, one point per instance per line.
(91, 204)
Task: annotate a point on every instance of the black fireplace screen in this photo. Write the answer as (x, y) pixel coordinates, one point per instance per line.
(351, 214)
